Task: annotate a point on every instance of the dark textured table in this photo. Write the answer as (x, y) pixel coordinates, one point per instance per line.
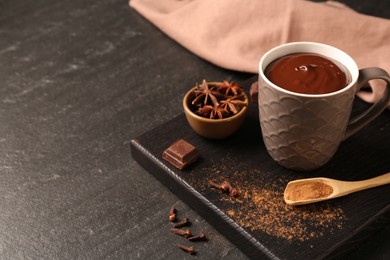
(78, 81)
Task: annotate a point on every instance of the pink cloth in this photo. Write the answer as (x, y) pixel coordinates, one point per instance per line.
(235, 34)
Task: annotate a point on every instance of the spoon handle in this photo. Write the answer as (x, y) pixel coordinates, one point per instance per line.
(350, 187)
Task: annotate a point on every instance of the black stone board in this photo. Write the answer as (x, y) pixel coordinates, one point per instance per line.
(320, 231)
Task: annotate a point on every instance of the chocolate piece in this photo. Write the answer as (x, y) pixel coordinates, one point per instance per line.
(180, 154)
(254, 92)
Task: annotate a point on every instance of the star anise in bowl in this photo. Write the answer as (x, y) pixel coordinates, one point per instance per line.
(218, 100)
(215, 109)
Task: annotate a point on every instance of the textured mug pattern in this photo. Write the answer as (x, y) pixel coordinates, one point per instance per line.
(299, 132)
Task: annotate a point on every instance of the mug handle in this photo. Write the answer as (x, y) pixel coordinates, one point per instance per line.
(360, 121)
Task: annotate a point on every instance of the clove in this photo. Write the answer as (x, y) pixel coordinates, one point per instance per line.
(200, 236)
(184, 222)
(172, 214)
(188, 249)
(233, 192)
(225, 186)
(181, 232)
(215, 185)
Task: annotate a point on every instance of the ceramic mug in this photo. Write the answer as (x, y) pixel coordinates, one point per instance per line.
(303, 131)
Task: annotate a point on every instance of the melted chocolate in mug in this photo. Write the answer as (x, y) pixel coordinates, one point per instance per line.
(307, 73)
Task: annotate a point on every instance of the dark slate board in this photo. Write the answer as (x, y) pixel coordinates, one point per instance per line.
(251, 224)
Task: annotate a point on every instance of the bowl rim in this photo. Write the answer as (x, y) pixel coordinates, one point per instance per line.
(189, 111)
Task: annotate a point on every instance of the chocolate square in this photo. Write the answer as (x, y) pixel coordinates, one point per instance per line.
(180, 154)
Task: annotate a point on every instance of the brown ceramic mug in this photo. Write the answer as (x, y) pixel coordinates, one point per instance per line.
(303, 131)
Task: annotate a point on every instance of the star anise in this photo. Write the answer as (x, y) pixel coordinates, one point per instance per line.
(218, 100)
(230, 88)
(233, 104)
(213, 112)
(203, 93)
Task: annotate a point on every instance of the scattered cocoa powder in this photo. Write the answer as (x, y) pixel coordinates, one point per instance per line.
(264, 209)
(304, 191)
(261, 207)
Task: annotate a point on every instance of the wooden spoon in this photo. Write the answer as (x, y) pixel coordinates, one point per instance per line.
(312, 190)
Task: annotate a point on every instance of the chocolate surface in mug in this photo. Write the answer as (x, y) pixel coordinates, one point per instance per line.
(308, 73)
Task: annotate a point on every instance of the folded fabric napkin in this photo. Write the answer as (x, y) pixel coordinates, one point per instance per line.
(235, 34)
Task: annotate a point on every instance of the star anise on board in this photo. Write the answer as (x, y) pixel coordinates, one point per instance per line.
(218, 100)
